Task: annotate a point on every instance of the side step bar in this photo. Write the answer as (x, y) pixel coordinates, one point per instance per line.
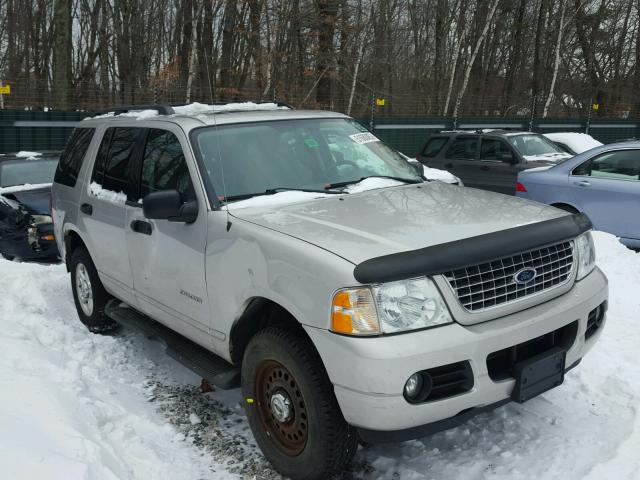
(209, 366)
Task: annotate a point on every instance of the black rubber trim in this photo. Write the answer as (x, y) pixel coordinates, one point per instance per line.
(396, 436)
(470, 251)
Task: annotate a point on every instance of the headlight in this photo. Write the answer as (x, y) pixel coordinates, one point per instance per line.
(389, 308)
(586, 254)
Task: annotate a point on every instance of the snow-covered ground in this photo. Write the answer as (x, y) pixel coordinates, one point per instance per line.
(74, 405)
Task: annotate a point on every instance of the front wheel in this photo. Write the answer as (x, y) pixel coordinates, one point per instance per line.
(89, 295)
(291, 407)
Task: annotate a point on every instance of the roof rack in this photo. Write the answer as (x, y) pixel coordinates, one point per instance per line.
(160, 108)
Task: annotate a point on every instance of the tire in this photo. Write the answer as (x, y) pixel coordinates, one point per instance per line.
(89, 294)
(282, 363)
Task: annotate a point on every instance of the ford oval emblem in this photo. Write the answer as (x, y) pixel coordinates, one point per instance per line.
(525, 275)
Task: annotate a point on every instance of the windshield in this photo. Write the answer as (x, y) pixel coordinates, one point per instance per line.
(535, 146)
(28, 171)
(315, 154)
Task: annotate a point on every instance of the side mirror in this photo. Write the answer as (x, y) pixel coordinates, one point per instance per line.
(508, 158)
(168, 205)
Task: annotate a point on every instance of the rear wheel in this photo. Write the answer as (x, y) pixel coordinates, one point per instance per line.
(89, 294)
(291, 407)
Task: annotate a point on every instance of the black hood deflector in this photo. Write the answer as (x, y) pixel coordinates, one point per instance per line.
(445, 257)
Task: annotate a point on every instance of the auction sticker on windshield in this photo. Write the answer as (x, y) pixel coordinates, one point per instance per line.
(362, 138)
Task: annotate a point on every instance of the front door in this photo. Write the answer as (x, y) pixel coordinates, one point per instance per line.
(168, 258)
(607, 189)
(498, 166)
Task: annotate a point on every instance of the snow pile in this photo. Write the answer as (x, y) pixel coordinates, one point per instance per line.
(578, 142)
(201, 108)
(73, 404)
(28, 155)
(276, 199)
(22, 188)
(437, 174)
(195, 109)
(548, 157)
(372, 183)
(108, 195)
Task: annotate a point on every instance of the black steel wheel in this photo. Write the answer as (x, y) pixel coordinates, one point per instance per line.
(291, 406)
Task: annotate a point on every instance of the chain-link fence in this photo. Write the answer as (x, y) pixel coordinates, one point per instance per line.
(33, 117)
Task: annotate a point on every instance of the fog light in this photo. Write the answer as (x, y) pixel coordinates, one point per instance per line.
(413, 386)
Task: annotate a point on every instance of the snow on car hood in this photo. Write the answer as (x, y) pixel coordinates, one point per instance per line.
(391, 220)
(36, 199)
(548, 157)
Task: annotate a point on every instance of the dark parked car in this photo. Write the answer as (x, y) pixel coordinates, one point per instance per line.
(26, 229)
(490, 159)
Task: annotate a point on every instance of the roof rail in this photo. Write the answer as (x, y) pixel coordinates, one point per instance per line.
(279, 104)
(161, 109)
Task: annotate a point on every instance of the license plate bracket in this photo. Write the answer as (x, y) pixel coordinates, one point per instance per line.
(538, 374)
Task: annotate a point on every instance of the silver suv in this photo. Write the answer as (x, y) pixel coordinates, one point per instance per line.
(295, 255)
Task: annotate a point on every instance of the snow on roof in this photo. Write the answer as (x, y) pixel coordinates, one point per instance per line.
(23, 188)
(578, 142)
(196, 108)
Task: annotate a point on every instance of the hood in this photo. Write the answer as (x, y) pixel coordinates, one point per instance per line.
(379, 222)
(36, 200)
(551, 158)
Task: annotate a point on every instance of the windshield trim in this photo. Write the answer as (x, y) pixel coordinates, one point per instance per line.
(214, 197)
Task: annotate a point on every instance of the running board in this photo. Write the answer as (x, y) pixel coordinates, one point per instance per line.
(209, 366)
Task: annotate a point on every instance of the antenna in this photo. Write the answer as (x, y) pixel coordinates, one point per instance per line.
(215, 125)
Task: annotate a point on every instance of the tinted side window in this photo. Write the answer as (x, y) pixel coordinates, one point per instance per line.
(164, 166)
(620, 165)
(493, 149)
(433, 146)
(463, 148)
(113, 164)
(72, 157)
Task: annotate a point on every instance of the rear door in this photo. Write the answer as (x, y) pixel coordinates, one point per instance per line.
(103, 209)
(461, 159)
(168, 258)
(607, 189)
(498, 166)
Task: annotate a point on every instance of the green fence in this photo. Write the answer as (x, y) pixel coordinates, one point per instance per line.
(42, 131)
(409, 134)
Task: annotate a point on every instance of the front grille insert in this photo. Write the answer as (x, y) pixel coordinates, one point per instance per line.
(487, 285)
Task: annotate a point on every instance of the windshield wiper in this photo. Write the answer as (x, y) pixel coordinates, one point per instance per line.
(352, 182)
(272, 191)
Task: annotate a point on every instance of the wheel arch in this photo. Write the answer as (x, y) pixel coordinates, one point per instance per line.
(567, 207)
(259, 314)
(72, 240)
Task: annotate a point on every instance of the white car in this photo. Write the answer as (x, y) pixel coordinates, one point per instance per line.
(573, 142)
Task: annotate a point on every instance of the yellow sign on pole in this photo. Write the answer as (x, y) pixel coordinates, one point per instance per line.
(5, 89)
(380, 102)
(596, 106)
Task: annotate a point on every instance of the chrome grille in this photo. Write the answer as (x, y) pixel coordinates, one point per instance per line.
(490, 284)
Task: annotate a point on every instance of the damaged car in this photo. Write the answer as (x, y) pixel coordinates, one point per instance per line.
(26, 229)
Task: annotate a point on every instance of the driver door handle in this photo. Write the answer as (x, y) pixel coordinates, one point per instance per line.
(583, 183)
(484, 167)
(140, 226)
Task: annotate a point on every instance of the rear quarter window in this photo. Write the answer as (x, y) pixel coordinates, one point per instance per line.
(73, 156)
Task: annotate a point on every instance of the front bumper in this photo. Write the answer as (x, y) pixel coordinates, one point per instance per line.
(369, 374)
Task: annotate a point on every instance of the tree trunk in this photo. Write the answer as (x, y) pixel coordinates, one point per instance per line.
(327, 11)
(63, 48)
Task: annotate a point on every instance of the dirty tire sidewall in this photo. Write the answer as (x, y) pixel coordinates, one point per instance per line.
(96, 322)
(331, 442)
